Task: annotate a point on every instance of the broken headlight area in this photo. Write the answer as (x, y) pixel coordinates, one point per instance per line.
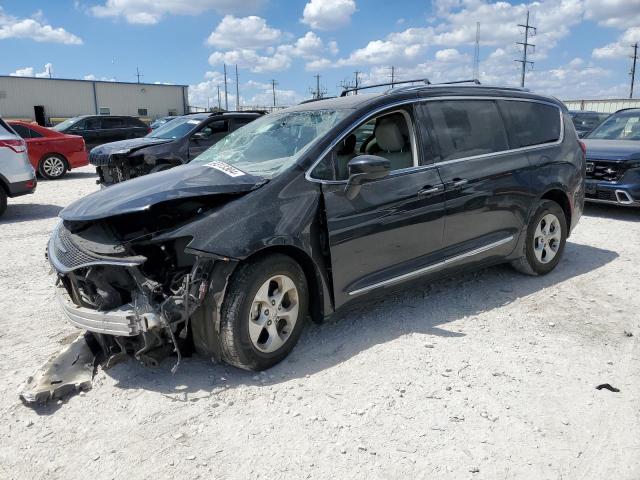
(123, 167)
(135, 294)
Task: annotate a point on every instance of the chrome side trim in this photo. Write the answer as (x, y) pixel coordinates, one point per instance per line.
(611, 202)
(373, 113)
(432, 267)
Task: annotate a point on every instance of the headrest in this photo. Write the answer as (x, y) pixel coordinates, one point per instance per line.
(388, 135)
(347, 145)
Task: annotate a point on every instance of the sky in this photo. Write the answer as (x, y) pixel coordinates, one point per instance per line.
(582, 47)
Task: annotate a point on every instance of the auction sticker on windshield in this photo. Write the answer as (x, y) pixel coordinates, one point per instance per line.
(225, 168)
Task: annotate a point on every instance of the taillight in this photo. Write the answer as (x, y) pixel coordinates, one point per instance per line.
(149, 130)
(583, 146)
(17, 146)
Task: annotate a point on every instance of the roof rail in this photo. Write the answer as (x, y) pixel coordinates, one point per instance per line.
(473, 80)
(356, 89)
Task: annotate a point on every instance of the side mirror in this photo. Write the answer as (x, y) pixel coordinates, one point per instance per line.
(201, 135)
(363, 169)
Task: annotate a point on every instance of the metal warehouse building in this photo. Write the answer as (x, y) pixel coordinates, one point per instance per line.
(51, 100)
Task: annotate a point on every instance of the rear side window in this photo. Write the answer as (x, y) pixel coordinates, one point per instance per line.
(134, 122)
(466, 128)
(34, 134)
(21, 130)
(532, 123)
(111, 122)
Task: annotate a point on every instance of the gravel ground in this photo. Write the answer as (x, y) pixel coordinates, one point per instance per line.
(489, 375)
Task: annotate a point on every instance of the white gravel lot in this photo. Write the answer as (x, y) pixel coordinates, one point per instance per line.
(489, 375)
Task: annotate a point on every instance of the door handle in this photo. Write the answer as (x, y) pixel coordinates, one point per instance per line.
(429, 190)
(459, 182)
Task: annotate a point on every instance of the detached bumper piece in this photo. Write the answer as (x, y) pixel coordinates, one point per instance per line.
(68, 371)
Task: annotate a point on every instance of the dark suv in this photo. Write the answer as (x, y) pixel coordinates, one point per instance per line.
(174, 143)
(613, 160)
(585, 121)
(311, 208)
(99, 129)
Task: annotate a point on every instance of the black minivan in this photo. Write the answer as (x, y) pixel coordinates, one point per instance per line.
(311, 208)
(99, 129)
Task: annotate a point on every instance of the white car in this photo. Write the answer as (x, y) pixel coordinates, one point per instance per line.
(17, 176)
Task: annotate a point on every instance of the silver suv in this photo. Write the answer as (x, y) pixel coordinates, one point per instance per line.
(17, 176)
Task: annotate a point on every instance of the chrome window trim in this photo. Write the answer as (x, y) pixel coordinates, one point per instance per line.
(433, 266)
(380, 109)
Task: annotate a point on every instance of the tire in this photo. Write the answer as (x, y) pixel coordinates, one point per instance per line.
(52, 166)
(3, 201)
(545, 241)
(254, 335)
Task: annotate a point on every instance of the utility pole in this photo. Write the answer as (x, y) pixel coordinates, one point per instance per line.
(138, 74)
(525, 48)
(273, 90)
(393, 75)
(226, 95)
(219, 103)
(633, 67)
(476, 54)
(237, 90)
(357, 81)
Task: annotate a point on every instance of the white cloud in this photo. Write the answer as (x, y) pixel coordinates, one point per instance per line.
(30, 72)
(152, 11)
(246, 32)
(252, 60)
(328, 14)
(34, 29)
(448, 55)
(613, 13)
(91, 76)
(621, 48)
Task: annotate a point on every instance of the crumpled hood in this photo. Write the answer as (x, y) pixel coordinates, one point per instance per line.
(613, 150)
(140, 194)
(100, 155)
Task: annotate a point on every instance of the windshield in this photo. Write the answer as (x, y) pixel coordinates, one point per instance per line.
(267, 146)
(625, 126)
(66, 124)
(176, 128)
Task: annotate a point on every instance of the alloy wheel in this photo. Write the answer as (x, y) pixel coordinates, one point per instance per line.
(273, 314)
(547, 238)
(53, 167)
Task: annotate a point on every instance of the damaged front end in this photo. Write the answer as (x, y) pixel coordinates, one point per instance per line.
(120, 161)
(135, 293)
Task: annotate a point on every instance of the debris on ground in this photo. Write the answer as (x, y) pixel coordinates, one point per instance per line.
(606, 386)
(68, 371)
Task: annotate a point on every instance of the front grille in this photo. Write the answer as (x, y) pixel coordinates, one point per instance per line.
(99, 159)
(608, 195)
(607, 171)
(65, 256)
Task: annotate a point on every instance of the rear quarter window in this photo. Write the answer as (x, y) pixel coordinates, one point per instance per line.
(467, 128)
(531, 123)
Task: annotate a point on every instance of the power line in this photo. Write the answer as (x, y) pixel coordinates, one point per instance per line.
(357, 81)
(633, 67)
(219, 102)
(237, 91)
(226, 96)
(273, 89)
(476, 53)
(138, 74)
(525, 48)
(319, 91)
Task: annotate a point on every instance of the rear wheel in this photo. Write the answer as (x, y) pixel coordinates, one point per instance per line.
(545, 241)
(263, 313)
(52, 167)
(3, 201)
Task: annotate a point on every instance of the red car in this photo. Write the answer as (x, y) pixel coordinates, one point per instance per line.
(51, 153)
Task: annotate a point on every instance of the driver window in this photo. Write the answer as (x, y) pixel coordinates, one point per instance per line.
(387, 135)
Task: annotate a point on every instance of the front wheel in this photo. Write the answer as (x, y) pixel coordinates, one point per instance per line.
(264, 312)
(52, 167)
(545, 241)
